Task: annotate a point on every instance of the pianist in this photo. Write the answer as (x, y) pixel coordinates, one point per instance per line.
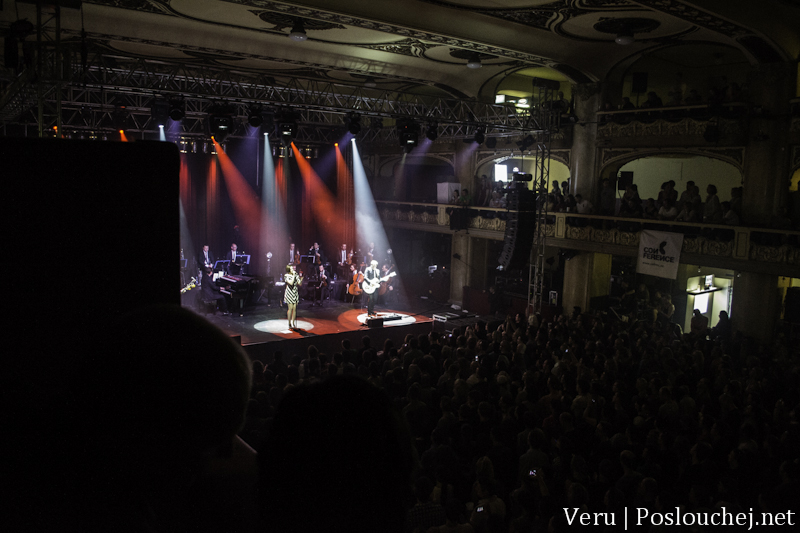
(211, 291)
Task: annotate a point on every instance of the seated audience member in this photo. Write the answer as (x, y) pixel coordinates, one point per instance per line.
(687, 213)
(667, 211)
(584, 207)
(729, 216)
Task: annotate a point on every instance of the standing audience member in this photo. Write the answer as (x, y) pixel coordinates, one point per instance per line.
(712, 209)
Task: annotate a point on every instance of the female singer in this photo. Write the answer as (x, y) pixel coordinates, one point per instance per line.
(292, 297)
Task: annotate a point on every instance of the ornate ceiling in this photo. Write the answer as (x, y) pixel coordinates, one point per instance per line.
(423, 46)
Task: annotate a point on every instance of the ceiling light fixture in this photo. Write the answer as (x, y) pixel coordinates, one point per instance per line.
(624, 38)
(474, 61)
(298, 32)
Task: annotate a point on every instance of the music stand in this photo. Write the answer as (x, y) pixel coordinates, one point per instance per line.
(241, 261)
(307, 259)
(221, 265)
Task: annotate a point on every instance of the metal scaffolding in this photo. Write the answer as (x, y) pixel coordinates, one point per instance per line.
(107, 89)
(543, 123)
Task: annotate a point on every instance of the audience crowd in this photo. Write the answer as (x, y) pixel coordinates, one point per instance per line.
(514, 421)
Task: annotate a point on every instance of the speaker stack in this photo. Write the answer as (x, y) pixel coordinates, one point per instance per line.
(520, 228)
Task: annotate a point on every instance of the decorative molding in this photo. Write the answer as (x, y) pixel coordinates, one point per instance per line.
(733, 155)
(282, 21)
(491, 224)
(145, 6)
(661, 128)
(346, 20)
(695, 16)
(406, 47)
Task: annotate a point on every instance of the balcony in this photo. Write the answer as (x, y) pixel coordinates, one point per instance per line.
(737, 247)
(726, 123)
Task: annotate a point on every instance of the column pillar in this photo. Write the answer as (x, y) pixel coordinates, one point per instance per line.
(755, 306)
(767, 153)
(586, 276)
(588, 99)
(459, 271)
(464, 166)
(478, 259)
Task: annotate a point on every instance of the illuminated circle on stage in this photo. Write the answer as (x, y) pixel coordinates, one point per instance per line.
(280, 325)
(404, 319)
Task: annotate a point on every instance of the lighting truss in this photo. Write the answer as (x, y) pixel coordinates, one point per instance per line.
(109, 81)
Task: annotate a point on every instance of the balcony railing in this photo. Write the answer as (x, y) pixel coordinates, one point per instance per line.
(713, 240)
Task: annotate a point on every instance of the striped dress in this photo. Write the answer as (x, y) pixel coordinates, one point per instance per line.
(291, 295)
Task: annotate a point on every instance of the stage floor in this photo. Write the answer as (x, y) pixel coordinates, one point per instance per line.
(263, 323)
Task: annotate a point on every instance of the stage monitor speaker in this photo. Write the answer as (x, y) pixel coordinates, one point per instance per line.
(375, 322)
(639, 82)
(625, 179)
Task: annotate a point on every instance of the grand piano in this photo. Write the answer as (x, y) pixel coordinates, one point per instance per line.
(241, 290)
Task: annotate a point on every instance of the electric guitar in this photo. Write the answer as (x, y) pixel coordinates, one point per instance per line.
(370, 286)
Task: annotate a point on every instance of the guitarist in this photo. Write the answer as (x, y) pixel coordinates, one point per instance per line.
(372, 276)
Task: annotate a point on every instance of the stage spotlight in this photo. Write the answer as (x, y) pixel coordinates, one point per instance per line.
(479, 136)
(307, 152)
(526, 143)
(432, 131)
(408, 133)
(177, 110)
(120, 119)
(255, 117)
(220, 122)
(491, 142)
(159, 112)
(298, 32)
(354, 123)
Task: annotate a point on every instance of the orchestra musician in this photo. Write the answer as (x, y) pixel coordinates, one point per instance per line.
(233, 266)
(356, 277)
(386, 292)
(211, 291)
(293, 255)
(317, 253)
(205, 258)
(343, 260)
(320, 285)
(372, 274)
(293, 281)
(370, 252)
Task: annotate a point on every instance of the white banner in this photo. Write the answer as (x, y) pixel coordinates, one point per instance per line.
(659, 253)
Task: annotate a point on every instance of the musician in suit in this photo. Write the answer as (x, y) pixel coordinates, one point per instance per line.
(292, 254)
(371, 252)
(320, 284)
(316, 251)
(372, 275)
(211, 291)
(342, 260)
(389, 292)
(205, 258)
(233, 267)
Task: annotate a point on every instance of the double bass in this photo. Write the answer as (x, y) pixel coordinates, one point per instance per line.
(355, 285)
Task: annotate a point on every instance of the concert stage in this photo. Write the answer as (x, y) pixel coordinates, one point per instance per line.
(263, 328)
